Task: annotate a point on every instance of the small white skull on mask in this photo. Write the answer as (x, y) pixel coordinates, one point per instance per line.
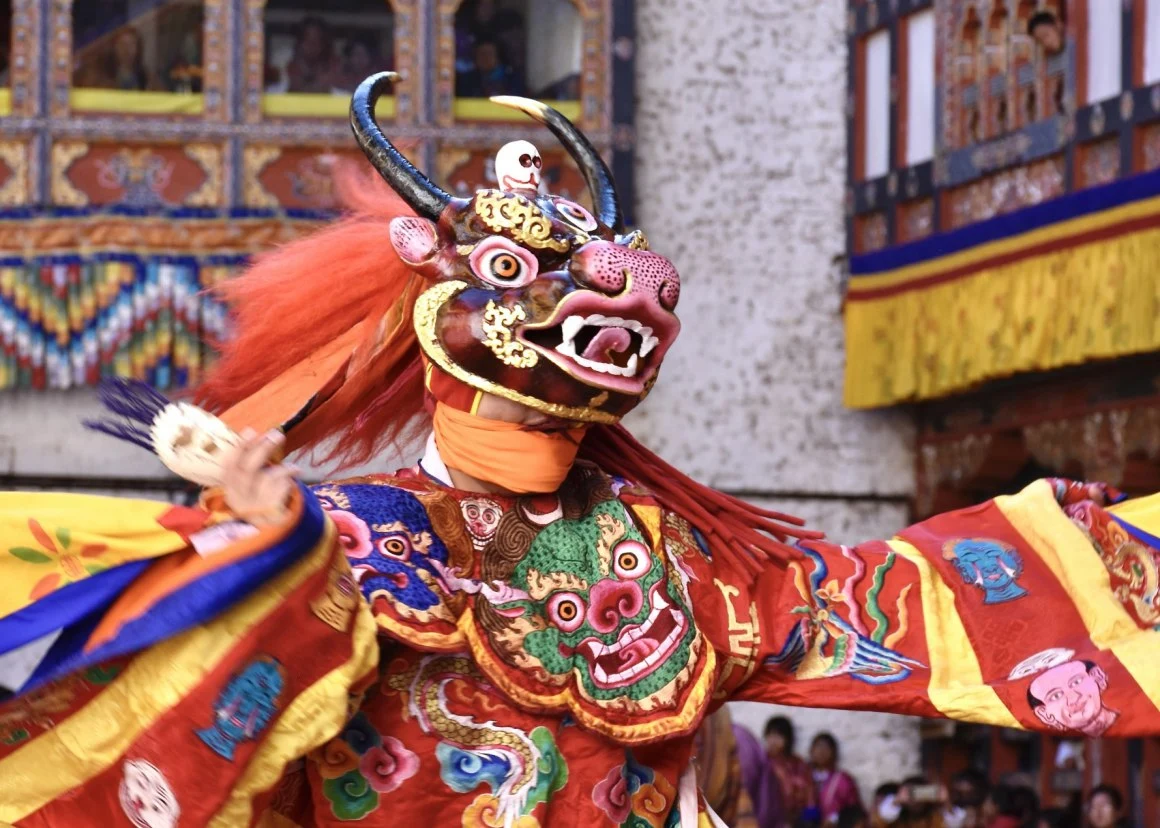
(518, 167)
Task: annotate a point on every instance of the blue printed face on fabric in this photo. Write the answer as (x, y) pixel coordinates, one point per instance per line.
(390, 542)
(990, 565)
(244, 707)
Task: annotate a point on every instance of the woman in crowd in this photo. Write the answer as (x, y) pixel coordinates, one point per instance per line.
(1106, 808)
(836, 789)
(792, 773)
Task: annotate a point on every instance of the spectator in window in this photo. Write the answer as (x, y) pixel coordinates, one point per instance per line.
(793, 774)
(836, 788)
(185, 71)
(360, 60)
(314, 67)
(495, 76)
(1106, 808)
(1047, 30)
(123, 65)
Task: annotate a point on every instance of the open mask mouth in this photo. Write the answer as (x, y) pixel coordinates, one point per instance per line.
(639, 649)
(616, 352)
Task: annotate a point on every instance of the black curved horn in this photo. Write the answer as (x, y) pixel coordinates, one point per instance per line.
(414, 187)
(595, 171)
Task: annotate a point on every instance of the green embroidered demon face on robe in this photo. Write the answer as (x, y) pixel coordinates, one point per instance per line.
(601, 605)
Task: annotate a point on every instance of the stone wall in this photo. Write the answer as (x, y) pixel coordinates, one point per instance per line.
(740, 180)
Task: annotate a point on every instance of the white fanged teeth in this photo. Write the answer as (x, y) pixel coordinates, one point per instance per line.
(572, 326)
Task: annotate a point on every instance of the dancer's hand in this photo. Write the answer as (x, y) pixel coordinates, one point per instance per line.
(255, 490)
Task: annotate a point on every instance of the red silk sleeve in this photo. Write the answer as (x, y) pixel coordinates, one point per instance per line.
(1038, 610)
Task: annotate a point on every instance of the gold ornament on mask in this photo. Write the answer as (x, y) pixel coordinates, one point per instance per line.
(498, 335)
(520, 217)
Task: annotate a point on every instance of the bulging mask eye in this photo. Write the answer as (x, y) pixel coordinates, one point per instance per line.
(576, 215)
(395, 546)
(630, 560)
(503, 263)
(566, 611)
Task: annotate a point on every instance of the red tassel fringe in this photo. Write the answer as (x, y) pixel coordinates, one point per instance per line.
(741, 536)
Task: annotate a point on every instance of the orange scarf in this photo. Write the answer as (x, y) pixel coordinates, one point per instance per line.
(505, 454)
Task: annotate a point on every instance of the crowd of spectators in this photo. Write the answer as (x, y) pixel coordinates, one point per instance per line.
(779, 788)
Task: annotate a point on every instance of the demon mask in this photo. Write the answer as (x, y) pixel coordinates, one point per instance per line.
(532, 297)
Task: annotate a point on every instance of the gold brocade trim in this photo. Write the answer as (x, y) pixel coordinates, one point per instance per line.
(14, 154)
(165, 235)
(426, 316)
(520, 217)
(255, 159)
(744, 642)
(677, 724)
(62, 190)
(1095, 301)
(209, 158)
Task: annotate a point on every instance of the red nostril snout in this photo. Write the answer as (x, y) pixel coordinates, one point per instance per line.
(610, 601)
(613, 269)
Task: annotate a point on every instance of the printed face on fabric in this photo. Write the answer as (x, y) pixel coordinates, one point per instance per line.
(146, 797)
(1066, 693)
(532, 297)
(992, 566)
(396, 553)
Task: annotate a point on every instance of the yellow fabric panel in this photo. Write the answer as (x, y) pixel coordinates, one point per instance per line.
(91, 740)
(134, 102)
(5, 101)
(1064, 548)
(81, 533)
(315, 717)
(1095, 301)
(956, 682)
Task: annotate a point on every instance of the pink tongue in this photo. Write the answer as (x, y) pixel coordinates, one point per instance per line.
(609, 340)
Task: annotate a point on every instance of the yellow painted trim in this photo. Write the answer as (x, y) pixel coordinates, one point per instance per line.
(1077, 566)
(315, 717)
(999, 247)
(93, 739)
(135, 103)
(311, 105)
(5, 101)
(956, 685)
(482, 109)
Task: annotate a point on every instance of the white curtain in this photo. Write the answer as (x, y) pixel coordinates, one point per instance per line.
(1103, 50)
(876, 98)
(920, 118)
